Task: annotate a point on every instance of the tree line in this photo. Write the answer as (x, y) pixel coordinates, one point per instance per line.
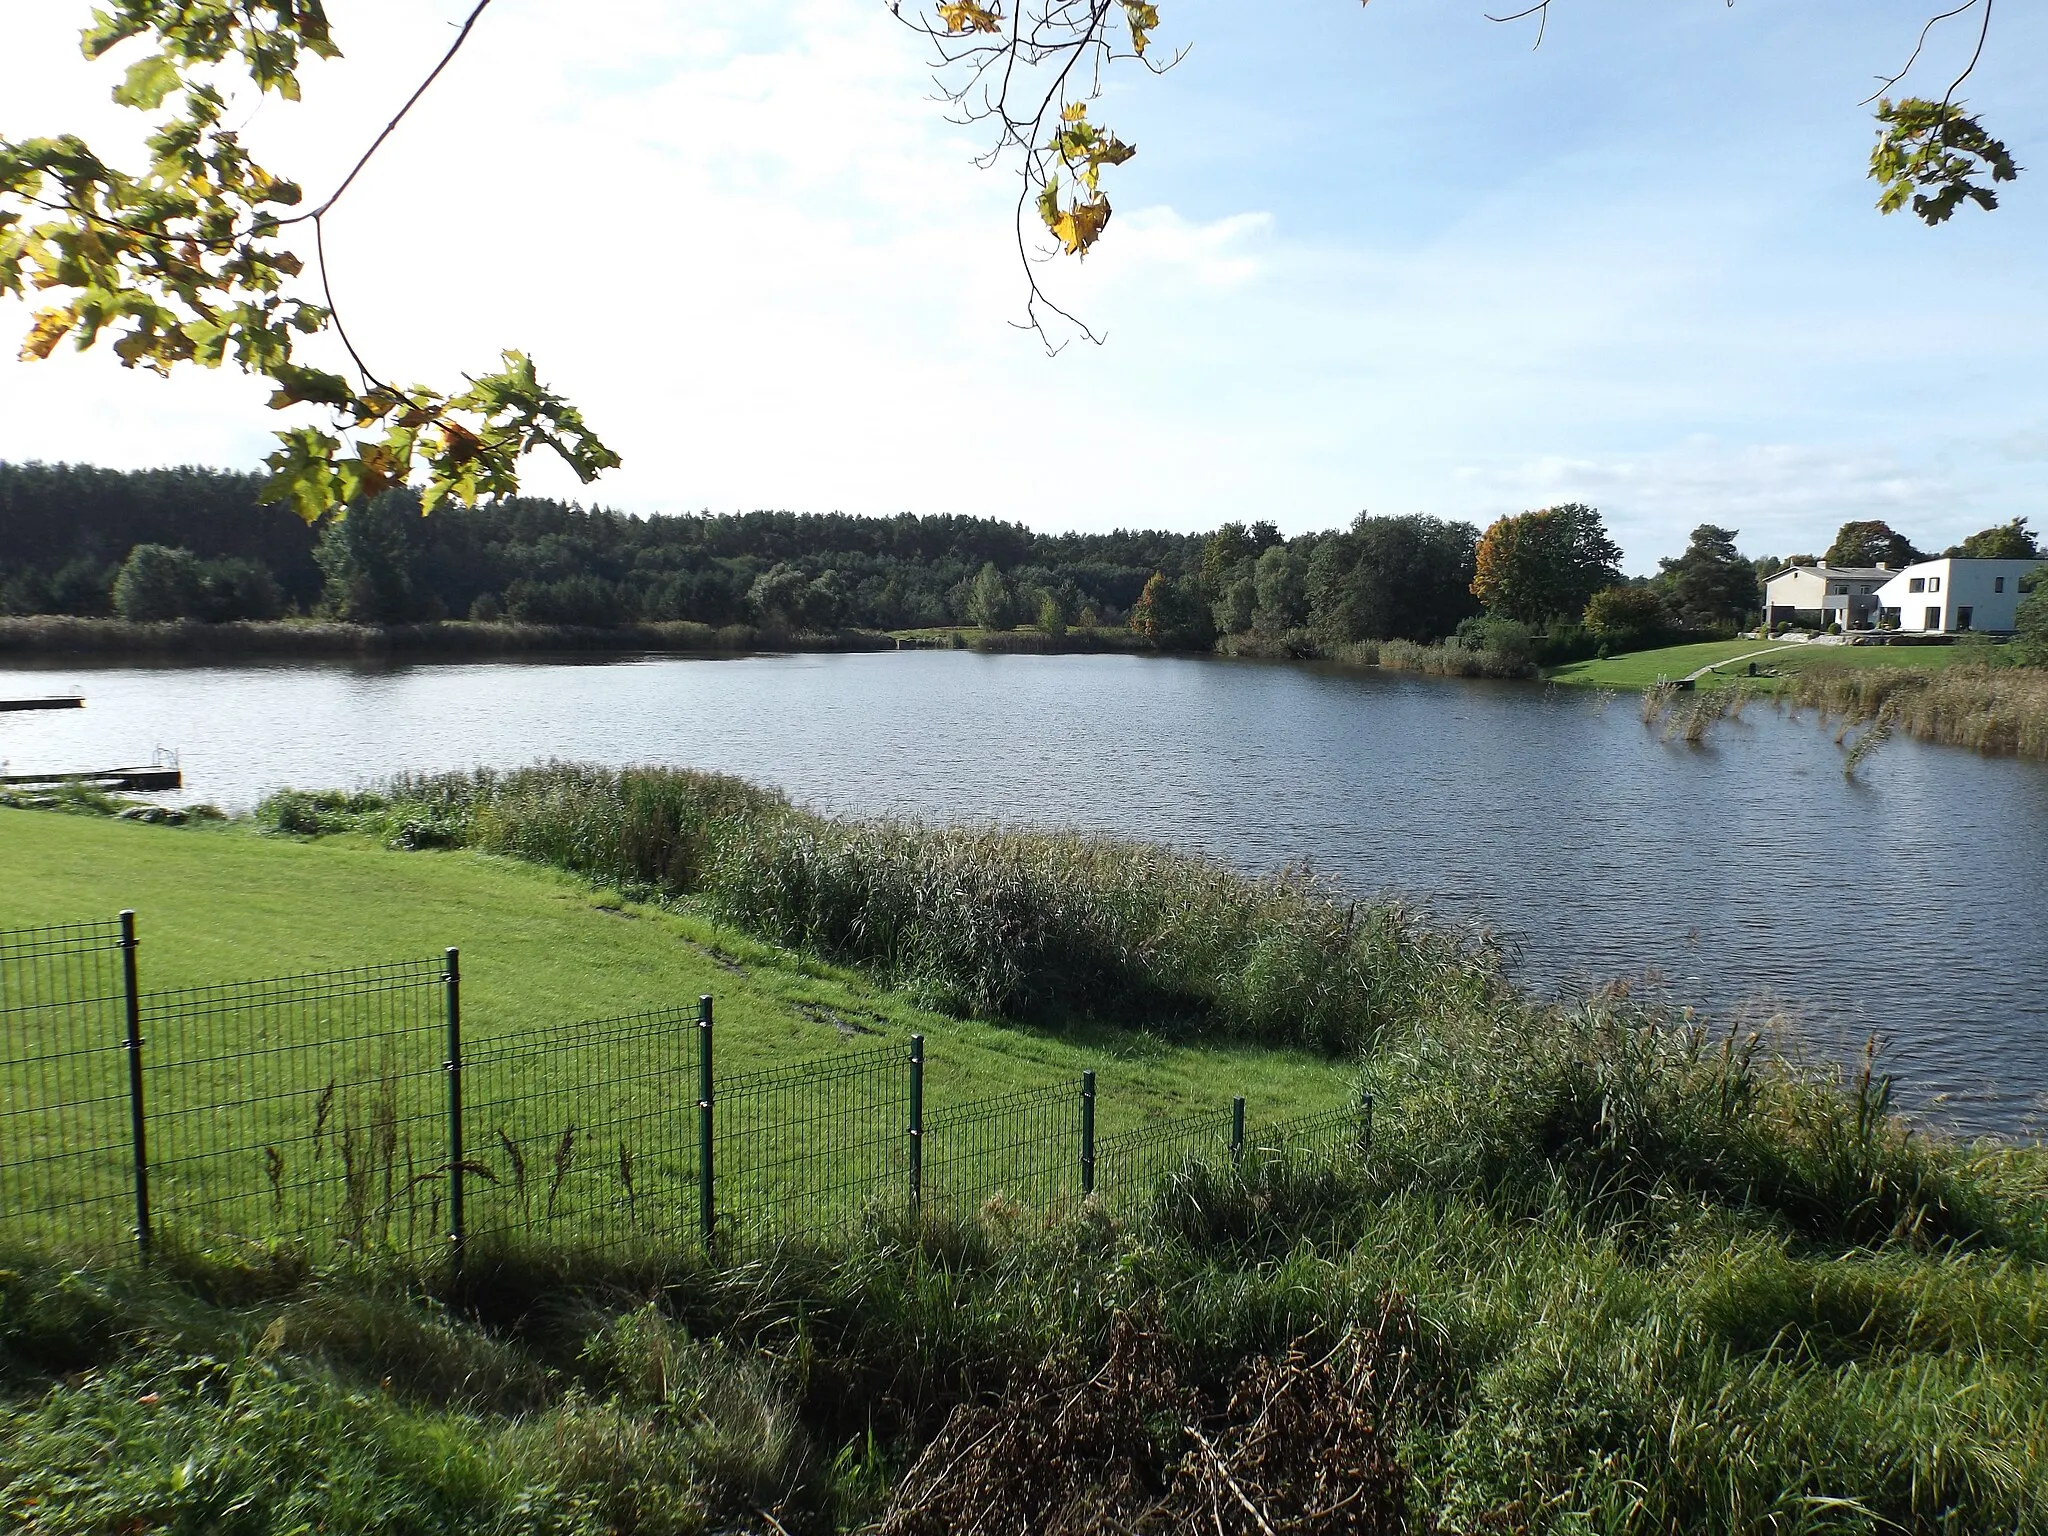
(1545, 585)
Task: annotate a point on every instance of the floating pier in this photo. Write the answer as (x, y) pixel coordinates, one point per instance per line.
(65, 701)
(138, 781)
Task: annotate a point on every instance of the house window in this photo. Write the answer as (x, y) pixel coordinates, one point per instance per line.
(1963, 617)
(1934, 583)
(1998, 583)
(1838, 588)
(1933, 619)
(1916, 584)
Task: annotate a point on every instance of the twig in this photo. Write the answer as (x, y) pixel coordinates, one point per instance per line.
(1230, 1482)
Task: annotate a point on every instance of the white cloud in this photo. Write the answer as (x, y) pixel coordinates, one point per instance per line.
(752, 247)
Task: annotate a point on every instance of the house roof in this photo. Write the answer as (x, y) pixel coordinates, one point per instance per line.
(1837, 572)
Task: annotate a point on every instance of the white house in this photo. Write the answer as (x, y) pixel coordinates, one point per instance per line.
(1950, 596)
(1820, 595)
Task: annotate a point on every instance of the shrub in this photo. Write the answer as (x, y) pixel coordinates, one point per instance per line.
(159, 585)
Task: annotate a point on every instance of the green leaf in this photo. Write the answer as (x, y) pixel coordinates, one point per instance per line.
(296, 385)
(147, 83)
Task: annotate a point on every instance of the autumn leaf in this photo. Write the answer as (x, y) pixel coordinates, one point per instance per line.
(1143, 18)
(968, 16)
(1082, 225)
(51, 326)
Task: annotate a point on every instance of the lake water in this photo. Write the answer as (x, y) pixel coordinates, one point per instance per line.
(1749, 874)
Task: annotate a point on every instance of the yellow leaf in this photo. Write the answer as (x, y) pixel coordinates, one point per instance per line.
(1142, 18)
(51, 326)
(1081, 225)
(1074, 112)
(969, 16)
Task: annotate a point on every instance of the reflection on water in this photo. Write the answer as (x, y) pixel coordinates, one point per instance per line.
(1747, 873)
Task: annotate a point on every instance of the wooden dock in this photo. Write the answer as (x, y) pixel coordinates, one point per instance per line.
(136, 781)
(64, 701)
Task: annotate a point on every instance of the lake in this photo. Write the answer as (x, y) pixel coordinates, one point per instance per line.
(1748, 874)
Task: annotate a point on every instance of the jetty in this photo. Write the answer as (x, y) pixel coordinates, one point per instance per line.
(138, 781)
(62, 701)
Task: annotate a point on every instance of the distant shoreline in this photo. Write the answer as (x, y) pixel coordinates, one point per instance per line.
(58, 635)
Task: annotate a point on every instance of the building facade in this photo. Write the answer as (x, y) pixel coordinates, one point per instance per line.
(1815, 596)
(1954, 596)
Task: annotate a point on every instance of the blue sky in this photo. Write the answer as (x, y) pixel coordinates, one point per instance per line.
(1380, 257)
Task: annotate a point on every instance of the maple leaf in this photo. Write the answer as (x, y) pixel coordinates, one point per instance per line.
(969, 16)
(1081, 225)
(1142, 18)
(51, 326)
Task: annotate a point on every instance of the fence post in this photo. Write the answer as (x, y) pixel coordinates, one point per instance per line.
(136, 1124)
(1365, 1125)
(916, 1128)
(452, 1066)
(1087, 1134)
(707, 1208)
(1237, 1132)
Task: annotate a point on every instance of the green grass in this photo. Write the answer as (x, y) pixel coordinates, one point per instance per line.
(541, 948)
(1599, 1272)
(1645, 669)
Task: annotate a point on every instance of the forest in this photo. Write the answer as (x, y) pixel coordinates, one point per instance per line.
(200, 545)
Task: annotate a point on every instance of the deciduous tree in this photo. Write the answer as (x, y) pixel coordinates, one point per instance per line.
(1386, 578)
(1544, 566)
(1871, 543)
(2008, 541)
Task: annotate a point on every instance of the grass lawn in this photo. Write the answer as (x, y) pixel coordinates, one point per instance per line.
(540, 952)
(1644, 669)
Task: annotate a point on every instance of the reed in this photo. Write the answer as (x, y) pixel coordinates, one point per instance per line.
(59, 635)
(1448, 659)
(2001, 709)
(1001, 923)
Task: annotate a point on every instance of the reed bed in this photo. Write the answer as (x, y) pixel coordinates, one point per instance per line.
(1690, 715)
(2001, 710)
(58, 635)
(996, 922)
(1448, 659)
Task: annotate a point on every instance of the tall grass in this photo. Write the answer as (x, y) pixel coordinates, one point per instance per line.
(1990, 709)
(1449, 659)
(1690, 715)
(995, 922)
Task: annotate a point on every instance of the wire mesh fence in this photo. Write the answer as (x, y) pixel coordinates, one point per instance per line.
(1130, 1166)
(585, 1136)
(812, 1148)
(1323, 1138)
(340, 1111)
(1022, 1148)
(311, 1107)
(67, 1162)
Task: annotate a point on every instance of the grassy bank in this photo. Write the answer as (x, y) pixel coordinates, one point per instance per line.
(1636, 670)
(1598, 1275)
(542, 949)
(987, 922)
(1600, 1271)
(58, 636)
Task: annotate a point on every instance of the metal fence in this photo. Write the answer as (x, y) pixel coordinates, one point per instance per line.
(67, 1130)
(314, 1107)
(342, 1112)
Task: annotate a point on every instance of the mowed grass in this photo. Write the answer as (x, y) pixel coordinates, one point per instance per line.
(1645, 669)
(541, 950)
